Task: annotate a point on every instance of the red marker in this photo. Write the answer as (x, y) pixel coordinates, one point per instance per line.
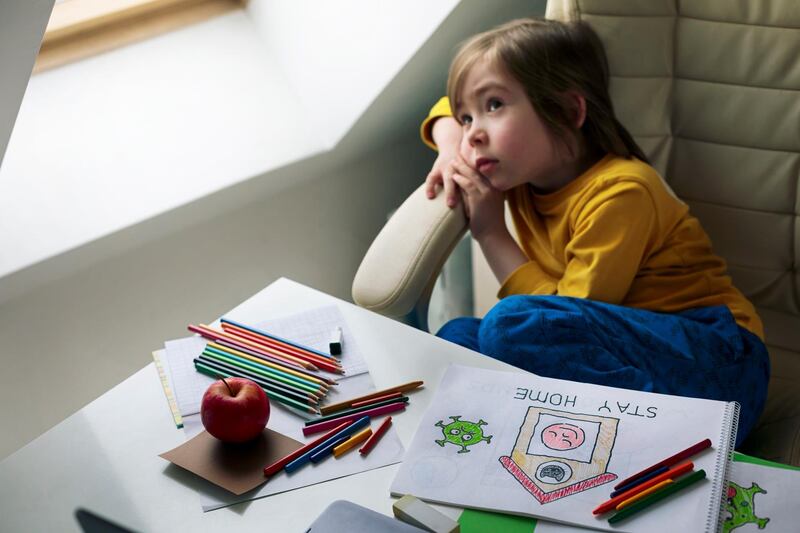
(280, 463)
(669, 461)
(365, 449)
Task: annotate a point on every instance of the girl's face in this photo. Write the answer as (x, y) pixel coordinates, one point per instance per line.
(503, 137)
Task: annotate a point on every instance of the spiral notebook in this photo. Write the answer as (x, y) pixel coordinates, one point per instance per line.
(552, 449)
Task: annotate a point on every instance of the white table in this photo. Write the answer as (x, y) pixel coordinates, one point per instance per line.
(105, 456)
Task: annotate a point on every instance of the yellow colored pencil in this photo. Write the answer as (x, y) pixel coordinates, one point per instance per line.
(640, 495)
(352, 442)
(312, 380)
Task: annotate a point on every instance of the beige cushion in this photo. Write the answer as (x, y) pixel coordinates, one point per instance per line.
(711, 91)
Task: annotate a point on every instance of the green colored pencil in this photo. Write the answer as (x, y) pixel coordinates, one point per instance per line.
(272, 395)
(257, 364)
(668, 490)
(246, 365)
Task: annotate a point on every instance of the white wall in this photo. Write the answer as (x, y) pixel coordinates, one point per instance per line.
(338, 55)
(22, 25)
(105, 143)
(73, 326)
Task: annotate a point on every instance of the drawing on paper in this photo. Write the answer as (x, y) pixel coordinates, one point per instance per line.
(462, 433)
(742, 507)
(558, 453)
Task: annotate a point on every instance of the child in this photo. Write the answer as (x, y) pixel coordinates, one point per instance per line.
(613, 281)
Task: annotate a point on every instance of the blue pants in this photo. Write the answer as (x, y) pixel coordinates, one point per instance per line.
(700, 352)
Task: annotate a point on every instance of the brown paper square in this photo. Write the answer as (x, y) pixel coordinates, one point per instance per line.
(237, 468)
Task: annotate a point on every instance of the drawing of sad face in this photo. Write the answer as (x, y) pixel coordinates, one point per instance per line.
(563, 436)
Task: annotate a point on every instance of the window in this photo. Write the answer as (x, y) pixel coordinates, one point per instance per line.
(81, 28)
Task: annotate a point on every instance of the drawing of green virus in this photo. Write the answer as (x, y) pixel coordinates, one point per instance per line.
(742, 508)
(462, 433)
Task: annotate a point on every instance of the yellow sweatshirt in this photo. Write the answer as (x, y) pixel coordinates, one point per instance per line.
(617, 234)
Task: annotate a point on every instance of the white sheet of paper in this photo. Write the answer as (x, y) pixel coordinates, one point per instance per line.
(519, 416)
(761, 498)
(310, 328)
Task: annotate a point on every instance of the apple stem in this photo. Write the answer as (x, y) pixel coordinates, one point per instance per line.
(226, 384)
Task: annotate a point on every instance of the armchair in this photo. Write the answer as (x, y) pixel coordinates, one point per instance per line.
(711, 91)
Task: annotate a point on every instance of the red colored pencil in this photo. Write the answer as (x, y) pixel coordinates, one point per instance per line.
(210, 333)
(669, 461)
(383, 409)
(317, 361)
(280, 463)
(278, 345)
(672, 473)
(373, 440)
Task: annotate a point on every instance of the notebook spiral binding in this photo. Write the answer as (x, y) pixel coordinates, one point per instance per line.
(719, 492)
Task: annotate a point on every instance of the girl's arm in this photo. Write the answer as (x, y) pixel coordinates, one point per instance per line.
(446, 133)
(502, 253)
(484, 206)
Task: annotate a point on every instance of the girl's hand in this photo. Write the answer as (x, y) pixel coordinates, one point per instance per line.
(446, 134)
(482, 202)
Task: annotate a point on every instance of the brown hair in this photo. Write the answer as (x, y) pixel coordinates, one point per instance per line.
(550, 58)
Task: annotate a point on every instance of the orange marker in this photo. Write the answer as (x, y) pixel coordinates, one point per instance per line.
(352, 442)
(672, 473)
(639, 496)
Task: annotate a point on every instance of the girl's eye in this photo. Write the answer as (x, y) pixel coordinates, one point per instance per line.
(466, 119)
(494, 104)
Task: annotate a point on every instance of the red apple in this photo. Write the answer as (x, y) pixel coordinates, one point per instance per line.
(234, 410)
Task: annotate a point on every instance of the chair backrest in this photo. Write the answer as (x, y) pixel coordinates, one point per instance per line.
(711, 91)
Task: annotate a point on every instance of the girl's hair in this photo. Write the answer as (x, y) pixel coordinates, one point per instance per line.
(550, 58)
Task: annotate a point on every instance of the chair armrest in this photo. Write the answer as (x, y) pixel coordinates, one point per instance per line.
(400, 268)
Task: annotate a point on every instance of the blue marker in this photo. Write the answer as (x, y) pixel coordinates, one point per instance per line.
(327, 451)
(639, 481)
(346, 432)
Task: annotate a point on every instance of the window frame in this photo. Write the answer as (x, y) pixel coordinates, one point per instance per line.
(82, 28)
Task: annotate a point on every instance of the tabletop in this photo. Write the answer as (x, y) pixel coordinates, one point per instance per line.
(105, 457)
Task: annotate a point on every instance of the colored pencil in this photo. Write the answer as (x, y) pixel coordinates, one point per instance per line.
(373, 440)
(278, 350)
(226, 345)
(306, 457)
(264, 382)
(349, 403)
(278, 346)
(352, 442)
(294, 366)
(272, 395)
(247, 365)
(327, 451)
(274, 337)
(643, 494)
(376, 400)
(672, 473)
(213, 334)
(340, 414)
(278, 465)
(261, 361)
(209, 333)
(323, 426)
(643, 479)
(667, 491)
(669, 461)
